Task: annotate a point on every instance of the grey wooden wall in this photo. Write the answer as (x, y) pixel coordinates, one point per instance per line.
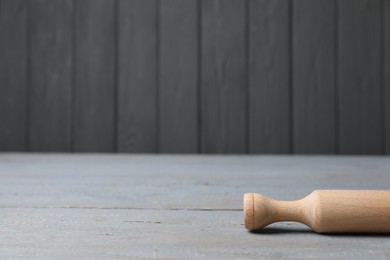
(208, 76)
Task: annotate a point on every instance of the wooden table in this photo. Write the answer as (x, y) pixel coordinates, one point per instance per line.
(166, 206)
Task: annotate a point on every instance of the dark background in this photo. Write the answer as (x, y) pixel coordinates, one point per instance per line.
(192, 76)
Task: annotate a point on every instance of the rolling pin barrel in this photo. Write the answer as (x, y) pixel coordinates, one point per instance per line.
(325, 211)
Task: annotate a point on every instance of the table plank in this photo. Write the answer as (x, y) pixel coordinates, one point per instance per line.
(172, 206)
(89, 233)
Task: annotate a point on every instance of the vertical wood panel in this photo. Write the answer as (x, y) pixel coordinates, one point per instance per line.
(74, 106)
(137, 94)
(94, 98)
(269, 86)
(360, 77)
(13, 76)
(178, 76)
(314, 76)
(386, 71)
(50, 75)
(224, 90)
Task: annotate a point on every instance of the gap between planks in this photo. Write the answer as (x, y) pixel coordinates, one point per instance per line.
(118, 208)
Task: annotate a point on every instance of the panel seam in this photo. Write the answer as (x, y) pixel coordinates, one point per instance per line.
(158, 128)
(384, 94)
(247, 77)
(336, 87)
(199, 76)
(116, 77)
(73, 88)
(28, 77)
(291, 75)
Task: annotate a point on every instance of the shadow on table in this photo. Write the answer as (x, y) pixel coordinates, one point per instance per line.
(289, 230)
(277, 230)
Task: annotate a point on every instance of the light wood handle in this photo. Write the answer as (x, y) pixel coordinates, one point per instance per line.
(325, 211)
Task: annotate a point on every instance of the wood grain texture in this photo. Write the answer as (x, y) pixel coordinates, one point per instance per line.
(149, 234)
(324, 211)
(95, 84)
(314, 80)
(50, 82)
(137, 93)
(269, 77)
(360, 77)
(183, 181)
(178, 76)
(81, 206)
(13, 75)
(223, 77)
(386, 73)
(207, 76)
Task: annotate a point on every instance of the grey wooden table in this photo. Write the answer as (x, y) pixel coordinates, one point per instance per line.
(175, 207)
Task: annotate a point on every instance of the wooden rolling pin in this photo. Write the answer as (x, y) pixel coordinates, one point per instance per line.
(324, 211)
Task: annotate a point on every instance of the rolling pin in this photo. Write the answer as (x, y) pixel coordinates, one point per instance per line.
(324, 211)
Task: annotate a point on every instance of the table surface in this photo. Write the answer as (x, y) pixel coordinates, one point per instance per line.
(173, 206)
